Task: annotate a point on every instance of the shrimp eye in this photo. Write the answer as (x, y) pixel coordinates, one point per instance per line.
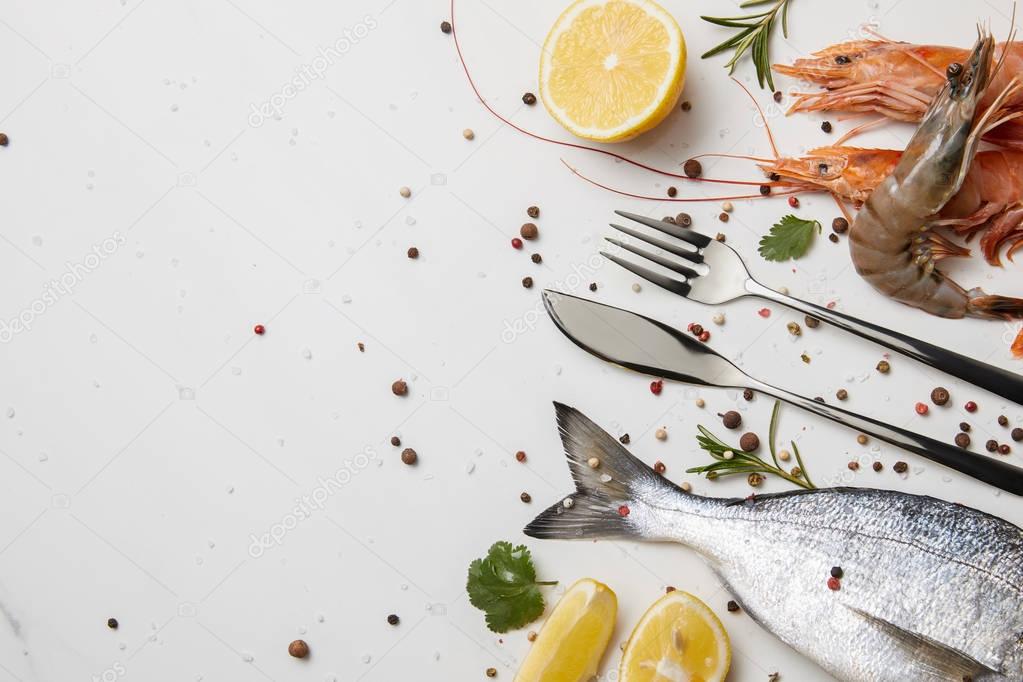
(842, 59)
(822, 168)
(954, 70)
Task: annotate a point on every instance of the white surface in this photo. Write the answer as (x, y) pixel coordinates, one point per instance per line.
(146, 434)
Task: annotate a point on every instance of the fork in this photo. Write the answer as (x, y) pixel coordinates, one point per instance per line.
(727, 279)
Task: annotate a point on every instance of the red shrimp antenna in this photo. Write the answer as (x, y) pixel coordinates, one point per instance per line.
(573, 145)
(767, 126)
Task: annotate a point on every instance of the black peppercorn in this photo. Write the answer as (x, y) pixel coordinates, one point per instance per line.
(112, 623)
(526, 497)
(393, 619)
(900, 467)
(529, 99)
(625, 439)
(765, 190)
(964, 426)
(683, 219)
(395, 441)
(445, 27)
(826, 126)
(1017, 434)
(672, 191)
(4, 140)
(837, 572)
(693, 168)
(833, 238)
(593, 286)
(840, 225)
(747, 394)
(749, 442)
(939, 396)
(963, 440)
(732, 606)
(533, 212)
(536, 258)
(877, 466)
(991, 445)
(413, 253)
(686, 105)
(731, 419)
(811, 322)
(841, 394)
(399, 387)
(777, 95)
(1003, 420)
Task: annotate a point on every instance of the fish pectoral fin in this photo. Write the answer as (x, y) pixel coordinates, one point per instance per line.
(934, 657)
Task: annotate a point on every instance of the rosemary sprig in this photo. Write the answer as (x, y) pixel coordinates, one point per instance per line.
(746, 462)
(754, 35)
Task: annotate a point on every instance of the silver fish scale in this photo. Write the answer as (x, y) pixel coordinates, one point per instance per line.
(931, 590)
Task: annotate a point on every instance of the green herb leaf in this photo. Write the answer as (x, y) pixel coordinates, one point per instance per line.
(789, 238)
(503, 585)
(754, 35)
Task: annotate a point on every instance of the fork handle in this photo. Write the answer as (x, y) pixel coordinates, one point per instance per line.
(991, 471)
(995, 379)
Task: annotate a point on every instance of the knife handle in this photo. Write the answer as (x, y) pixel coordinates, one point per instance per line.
(992, 471)
(995, 379)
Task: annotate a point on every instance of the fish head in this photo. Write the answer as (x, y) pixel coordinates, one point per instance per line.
(851, 173)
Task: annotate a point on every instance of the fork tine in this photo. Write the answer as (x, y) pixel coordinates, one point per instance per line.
(672, 285)
(688, 273)
(691, 256)
(685, 234)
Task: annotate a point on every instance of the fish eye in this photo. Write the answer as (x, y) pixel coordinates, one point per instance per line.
(954, 70)
(842, 59)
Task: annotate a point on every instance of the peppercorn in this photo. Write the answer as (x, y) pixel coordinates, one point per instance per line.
(593, 286)
(723, 217)
(529, 99)
(696, 329)
(921, 409)
(731, 419)
(963, 440)
(661, 434)
(837, 572)
(794, 329)
(1017, 434)
(755, 479)
(839, 225)
(777, 96)
(659, 467)
(656, 386)
(413, 252)
(1003, 420)
(527, 282)
(529, 231)
(704, 336)
(395, 441)
(491, 672)
(991, 445)
(811, 322)
(298, 649)
(683, 219)
(834, 584)
(259, 330)
(520, 456)
(732, 606)
(531, 635)
(361, 346)
(668, 589)
(970, 406)
(861, 439)
(399, 387)
(877, 466)
(445, 27)
(747, 394)
(672, 191)
(900, 467)
(833, 238)
(469, 134)
(536, 258)
(668, 219)
(4, 140)
(826, 126)
(841, 394)
(516, 243)
(393, 619)
(405, 192)
(964, 426)
(940, 395)
(693, 168)
(854, 466)
(883, 367)
(625, 439)
(1004, 449)
(686, 105)
(112, 623)
(794, 202)
(765, 190)
(409, 456)
(533, 212)
(526, 498)
(749, 441)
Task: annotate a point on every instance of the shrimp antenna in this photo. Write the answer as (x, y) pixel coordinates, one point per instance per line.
(648, 197)
(767, 127)
(573, 145)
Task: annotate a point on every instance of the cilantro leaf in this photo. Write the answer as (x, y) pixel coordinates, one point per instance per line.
(789, 238)
(503, 585)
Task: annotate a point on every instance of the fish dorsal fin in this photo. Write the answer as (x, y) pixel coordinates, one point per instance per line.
(932, 656)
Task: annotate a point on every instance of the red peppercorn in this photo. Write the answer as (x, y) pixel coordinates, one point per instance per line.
(259, 329)
(704, 336)
(921, 409)
(520, 456)
(971, 406)
(834, 584)
(764, 312)
(623, 510)
(794, 202)
(656, 387)
(516, 243)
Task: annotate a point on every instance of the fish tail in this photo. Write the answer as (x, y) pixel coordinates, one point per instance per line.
(609, 483)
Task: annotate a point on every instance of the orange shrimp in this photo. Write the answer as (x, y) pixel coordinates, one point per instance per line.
(899, 80)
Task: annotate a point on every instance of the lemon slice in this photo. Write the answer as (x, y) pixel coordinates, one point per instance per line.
(573, 639)
(678, 639)
(612, 69)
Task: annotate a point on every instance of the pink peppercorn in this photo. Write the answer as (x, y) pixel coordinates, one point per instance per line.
(516, 243)
(834, 584)
(704, 336)
(921, 409)
(764, 312)
(656, 387)
(623, 510)
(971, 406)
(259, 329)
(794, 202)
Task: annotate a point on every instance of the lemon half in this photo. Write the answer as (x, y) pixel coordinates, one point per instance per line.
(574, 637)
(612, 69)
(678, 638)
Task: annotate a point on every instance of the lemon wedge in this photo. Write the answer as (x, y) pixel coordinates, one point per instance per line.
(678, 638)
(612, 69)
(574, 637)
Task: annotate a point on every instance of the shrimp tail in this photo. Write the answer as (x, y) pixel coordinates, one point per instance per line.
(993, 307)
